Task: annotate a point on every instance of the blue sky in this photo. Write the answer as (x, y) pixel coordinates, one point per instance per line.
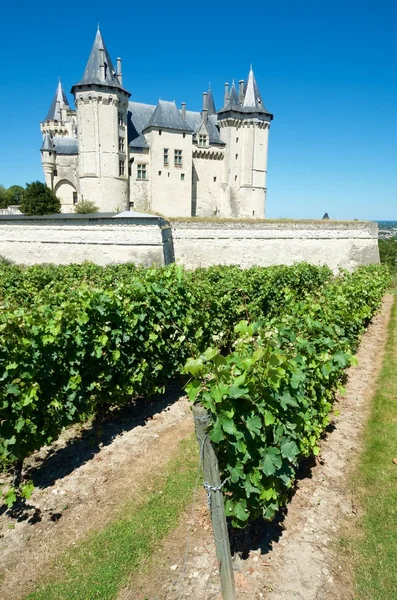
(327, 70)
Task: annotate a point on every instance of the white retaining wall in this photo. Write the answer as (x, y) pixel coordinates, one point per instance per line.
(337, 244)
(151, 240)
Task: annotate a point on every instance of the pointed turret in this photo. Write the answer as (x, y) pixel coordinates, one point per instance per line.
(47, 144)
(58, 103)
(252, 96)
(210, 102)
(99, 69)
(232, 101)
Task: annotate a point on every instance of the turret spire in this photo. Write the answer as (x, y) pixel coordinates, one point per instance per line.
(99, 69)
(210, 102)
(58, 103)
(252, 96)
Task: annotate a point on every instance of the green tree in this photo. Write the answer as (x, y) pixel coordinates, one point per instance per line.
(86, 206)
(14, 194)
(38, 199)
(3, 197)
(388, 253)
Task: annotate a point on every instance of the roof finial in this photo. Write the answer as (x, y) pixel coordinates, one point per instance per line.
(251, 66)
(98, 27)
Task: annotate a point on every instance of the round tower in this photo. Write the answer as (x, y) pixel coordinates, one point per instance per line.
(48, 159)
(102, 106)
(244, 126)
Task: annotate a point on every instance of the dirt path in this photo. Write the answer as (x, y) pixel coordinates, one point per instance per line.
(292, 559)
(81, 486)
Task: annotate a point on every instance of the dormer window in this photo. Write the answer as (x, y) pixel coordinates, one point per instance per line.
(202, 139)
(121, 119)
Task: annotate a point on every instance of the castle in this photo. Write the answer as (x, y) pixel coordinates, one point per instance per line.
(125, 155)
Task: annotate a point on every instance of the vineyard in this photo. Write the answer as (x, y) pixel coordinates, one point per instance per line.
(263, 349)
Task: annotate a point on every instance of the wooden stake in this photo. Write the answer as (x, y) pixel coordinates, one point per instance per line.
(202, 420)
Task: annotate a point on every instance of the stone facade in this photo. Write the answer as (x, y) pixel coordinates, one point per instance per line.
(125, 155)
(193, 243)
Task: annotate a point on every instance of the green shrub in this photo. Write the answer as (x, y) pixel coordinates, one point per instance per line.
(38, 199)
(85, 207)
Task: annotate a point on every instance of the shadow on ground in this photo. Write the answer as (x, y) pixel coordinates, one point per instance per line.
(61, 461)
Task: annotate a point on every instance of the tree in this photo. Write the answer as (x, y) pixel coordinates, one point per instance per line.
(86, 206)
(3, 197)
(388, 253)
(14, 194)
(38, 199)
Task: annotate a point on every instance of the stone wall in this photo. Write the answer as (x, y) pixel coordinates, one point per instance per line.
(148, 240)
(77, 238)
(339, 244)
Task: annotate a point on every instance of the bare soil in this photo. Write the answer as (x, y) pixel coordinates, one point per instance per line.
(293, 558)
(82, 484)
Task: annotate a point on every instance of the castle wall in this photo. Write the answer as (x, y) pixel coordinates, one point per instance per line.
(206, 182)
(345, 244)
(194, 243)
(170, 186)
(65, 240)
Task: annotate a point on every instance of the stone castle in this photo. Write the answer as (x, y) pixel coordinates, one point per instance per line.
(125, 155)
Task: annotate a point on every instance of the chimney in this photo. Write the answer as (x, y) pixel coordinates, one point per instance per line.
(119, 73)
(205, 107)
(241, 91)
(226, 96)
(102, 62)
(183, 111)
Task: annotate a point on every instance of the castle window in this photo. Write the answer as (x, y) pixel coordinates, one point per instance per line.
(121, 144)
(74, 197)
(182, 176)
(132, 204)
(235, 178)
(178, 158)
(55, 173)
(141, 171)
(184, 135)
(214, 179)
(236, 140)
(202, 141)
(121, 168)
(159, 172)
(160, 132)
(166, 157)
(236, 156)
(121, 119)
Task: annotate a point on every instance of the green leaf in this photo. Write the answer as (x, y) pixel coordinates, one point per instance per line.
(193, 388)
(289, 450)
(237, 392)
(240, 510)
(271, 461)
(217, 434)
(297, 378)
(194, 366)
(227, 424)
(254, 425)
(287, 400)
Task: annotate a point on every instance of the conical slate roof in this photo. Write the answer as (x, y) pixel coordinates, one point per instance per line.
(210, 102)
(167, 116)
(232, 102)
(59, 101)
(252, 96)
(47, 143)
(94, 74)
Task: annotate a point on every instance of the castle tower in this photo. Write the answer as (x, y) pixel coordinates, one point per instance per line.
(101, 105)
(244, 126)
(48, 160)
